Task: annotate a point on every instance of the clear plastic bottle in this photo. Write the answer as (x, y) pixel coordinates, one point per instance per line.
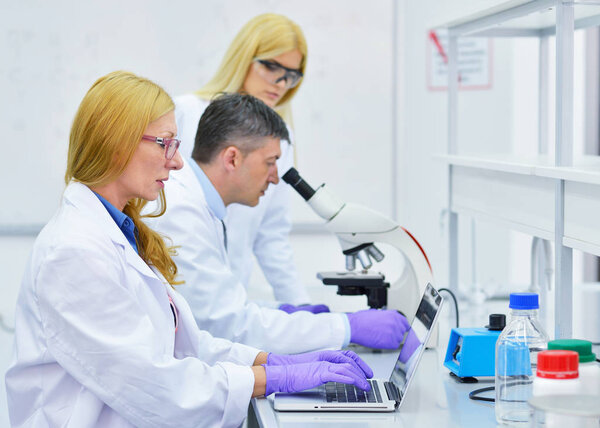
(516, 359)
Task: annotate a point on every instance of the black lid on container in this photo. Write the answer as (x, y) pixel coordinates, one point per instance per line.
(497, 322)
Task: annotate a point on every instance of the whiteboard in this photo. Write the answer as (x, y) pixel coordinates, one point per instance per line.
(54, 51)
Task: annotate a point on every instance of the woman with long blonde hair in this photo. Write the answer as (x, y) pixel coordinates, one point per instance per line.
(266, 59)
(102, 338)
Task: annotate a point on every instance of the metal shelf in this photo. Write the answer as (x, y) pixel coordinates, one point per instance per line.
(533, 18)
(520, 194)
(584, 246)
(498, 162)
(585, 169)
(550, 197)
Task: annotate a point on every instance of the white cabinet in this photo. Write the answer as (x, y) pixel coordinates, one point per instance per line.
(553, 197)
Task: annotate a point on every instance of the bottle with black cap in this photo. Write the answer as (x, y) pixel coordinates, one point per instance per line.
(497, 322)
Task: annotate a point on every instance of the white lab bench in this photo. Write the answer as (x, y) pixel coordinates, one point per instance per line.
(433, 400)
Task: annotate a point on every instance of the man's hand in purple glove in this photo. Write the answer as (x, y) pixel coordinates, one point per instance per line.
(377, 328)
(298, 377)
(337, 357)
(315, 309)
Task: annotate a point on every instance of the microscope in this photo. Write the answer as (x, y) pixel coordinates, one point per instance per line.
(357, 229)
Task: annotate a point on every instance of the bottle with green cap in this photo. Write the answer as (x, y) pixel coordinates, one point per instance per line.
(589, 369)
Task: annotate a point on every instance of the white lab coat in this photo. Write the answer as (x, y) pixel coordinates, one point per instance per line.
(216, 296)
(95, 343)
(262, 230)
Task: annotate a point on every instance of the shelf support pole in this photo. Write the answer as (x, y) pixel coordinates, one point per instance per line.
(565, 28)
(543, 89)
(452, 149)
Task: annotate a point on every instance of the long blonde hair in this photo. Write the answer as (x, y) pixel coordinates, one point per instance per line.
(264, 36)
(106, 131)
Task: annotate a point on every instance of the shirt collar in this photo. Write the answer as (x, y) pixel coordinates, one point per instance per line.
(123, 221)
(213, 199)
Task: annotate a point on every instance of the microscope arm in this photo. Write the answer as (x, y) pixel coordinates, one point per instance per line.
(358, 227)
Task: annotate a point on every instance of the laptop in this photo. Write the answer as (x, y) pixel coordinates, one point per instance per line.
(385, 396)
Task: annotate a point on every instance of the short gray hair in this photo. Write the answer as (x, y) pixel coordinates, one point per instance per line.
(238, 120)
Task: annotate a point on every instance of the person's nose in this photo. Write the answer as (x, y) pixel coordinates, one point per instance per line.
(176, 162)
(274, 176)
(281, 83)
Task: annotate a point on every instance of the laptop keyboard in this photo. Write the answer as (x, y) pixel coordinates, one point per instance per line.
(341, 393)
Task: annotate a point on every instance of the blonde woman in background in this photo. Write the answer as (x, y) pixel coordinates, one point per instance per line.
(102, 338)
(266, 59)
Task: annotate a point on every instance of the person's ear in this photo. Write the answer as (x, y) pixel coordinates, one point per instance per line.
(232, 158)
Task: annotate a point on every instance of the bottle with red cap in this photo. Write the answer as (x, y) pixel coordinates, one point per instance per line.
(557, 373)
(589, 369)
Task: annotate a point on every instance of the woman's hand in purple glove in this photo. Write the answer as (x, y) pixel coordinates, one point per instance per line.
(337, 357)
(315, 309)
(298, 377)
(377, 328)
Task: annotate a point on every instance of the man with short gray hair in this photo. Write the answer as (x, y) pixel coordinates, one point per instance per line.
(234, 161)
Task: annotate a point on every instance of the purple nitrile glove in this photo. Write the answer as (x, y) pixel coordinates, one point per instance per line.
(315, 309)
(337, 357)
(298, 377)
(377, 328)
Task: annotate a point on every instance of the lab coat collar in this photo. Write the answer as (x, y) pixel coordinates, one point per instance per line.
(213, 198)
(82, 198)
(192, 191)
(186, 178)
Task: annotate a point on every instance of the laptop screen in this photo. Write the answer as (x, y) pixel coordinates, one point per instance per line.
(415, 339)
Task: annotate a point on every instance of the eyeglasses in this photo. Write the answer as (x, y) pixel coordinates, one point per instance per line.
(273, 72)
(169, 144)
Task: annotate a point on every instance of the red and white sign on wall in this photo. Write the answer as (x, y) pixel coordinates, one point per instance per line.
(474, 62)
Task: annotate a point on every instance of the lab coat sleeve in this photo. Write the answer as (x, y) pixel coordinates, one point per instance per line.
(97, 330)
(272, 243)
(219, 300)
(219, 349)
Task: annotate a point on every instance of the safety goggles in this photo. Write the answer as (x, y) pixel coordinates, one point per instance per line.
(273, 72)
(169, 144)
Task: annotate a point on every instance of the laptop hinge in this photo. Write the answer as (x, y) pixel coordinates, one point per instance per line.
(393, 392)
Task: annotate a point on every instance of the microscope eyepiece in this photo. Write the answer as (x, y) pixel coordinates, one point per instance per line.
(292, 177)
